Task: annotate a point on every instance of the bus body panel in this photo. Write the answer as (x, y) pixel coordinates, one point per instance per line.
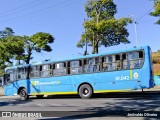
(121, 80)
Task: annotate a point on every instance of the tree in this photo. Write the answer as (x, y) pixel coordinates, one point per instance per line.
(101, 27)
(19, 48)
(156, 12)
(6, 32)
(38, 42)
(10, 47)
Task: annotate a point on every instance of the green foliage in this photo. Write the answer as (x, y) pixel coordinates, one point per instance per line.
(41, 41)
(6, 32)
(156, 69)
(21, 47)
(156, 62)
(38, 42)
(156, 57)
(101, 27)
(10, 47)
(6, 52)
(156, 12)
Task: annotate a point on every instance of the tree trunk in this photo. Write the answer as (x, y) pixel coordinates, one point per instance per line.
(29, 56)
(93, 45)
(19, 62)
(28, 61)
(96, 48)
(93, 49)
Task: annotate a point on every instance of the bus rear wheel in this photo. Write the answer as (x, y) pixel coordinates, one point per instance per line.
(23, 94)
(85, 91)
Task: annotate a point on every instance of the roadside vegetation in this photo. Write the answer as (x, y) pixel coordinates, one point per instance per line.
(156, 62)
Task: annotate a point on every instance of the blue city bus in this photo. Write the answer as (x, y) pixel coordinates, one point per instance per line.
(118, 71)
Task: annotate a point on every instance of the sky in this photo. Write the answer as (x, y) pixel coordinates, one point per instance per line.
(64, 18)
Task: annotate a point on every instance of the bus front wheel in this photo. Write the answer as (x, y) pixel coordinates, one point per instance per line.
(85, 91)
(23, 94)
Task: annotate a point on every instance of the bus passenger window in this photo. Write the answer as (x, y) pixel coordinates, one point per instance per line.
(133, 60)
(21, 74)
(46, 71)
(140, 54)
(34, 71)
(141, 58)
(91, 65)
(117, 62)
(125, 61)
(10, 75)
(75, 67)
(60, 69)
(109, 63)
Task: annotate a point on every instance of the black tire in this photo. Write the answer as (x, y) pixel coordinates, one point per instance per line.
(85, 91)
(39, 96)
(23, 94)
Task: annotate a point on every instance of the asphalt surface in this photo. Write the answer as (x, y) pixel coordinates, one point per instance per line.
(139, 106)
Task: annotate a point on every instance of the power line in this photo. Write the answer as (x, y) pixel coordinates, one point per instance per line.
(17, 7)
(18, 17)
(145, 21)
(145, 14)
(23, 9)
(137, 21)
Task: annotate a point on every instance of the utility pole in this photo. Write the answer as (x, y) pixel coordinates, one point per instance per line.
(85, 52)
(135, 29)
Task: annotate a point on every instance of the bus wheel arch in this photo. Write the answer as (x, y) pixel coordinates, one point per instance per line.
(23, 93)
(85, 90)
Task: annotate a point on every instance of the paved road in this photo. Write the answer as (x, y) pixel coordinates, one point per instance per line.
(103, 106)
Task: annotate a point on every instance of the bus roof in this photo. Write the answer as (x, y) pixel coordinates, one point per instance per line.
(78, 57)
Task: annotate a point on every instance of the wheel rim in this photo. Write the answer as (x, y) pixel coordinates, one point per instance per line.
(23, 93)
(85, 91)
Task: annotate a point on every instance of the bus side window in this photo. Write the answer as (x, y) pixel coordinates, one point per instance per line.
(10, 75)
(21, 73)
(91, 65)
(46, 70)
(108, 64)
(76, 67)
(125, 61)
(60, 69)
(141, 58)
(117, 62)
(34, 71)
(96, 65)
(85, 65)
(133, 60)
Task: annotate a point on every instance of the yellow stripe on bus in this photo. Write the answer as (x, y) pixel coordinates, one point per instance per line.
(131, 74)
(54, 93)
(103, 91)
(70, 93)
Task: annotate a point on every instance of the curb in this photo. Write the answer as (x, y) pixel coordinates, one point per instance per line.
(9, 97)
